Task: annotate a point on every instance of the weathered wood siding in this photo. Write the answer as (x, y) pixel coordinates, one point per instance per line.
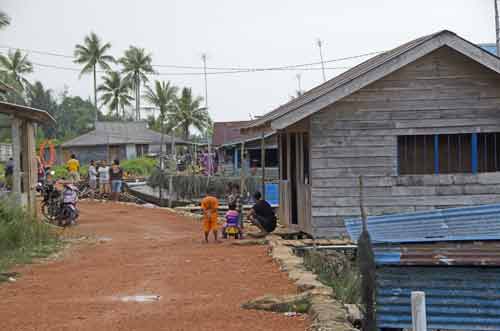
(443, 92)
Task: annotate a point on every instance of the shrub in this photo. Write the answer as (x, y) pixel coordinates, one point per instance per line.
(337, 271)
(22, 237)
(139, 167)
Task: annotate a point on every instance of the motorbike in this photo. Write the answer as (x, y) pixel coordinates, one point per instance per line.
(60, 208)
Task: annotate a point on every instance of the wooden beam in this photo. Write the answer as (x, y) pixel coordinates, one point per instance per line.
(31, 166)
(16, 156)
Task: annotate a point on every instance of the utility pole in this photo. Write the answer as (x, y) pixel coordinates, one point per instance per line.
(497, 28)
(204, 58)
(320, 44)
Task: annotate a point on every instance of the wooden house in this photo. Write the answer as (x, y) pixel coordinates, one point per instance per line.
(22, 122)
(117, 140)
(233, 146)
(420, 123)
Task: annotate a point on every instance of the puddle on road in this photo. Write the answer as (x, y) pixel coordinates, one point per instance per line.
(140, 298)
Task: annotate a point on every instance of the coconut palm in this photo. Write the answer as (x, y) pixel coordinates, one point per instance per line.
(14, 66)
(90, 54)
(4, 20)
(189, 113)
(136, 66)
(115, 93)
(163, 96)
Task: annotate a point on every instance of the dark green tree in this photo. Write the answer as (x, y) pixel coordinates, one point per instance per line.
(14, 67)
(189, 113)
(41, 98)
(136, 66)
(162, 96)
(91, 54)
(115, 93)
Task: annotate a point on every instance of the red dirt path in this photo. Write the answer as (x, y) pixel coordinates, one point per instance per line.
(151, 251)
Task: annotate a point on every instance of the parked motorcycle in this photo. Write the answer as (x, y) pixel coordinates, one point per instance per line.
(60, 208)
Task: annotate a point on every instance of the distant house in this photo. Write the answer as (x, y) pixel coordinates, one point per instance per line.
(117, 140)
(420, 123)
(229, 142)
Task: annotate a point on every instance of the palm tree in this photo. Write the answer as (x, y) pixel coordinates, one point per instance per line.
(188, 113)
(14, 66)
(4, 20)
(136, 66)
(115, 92)
(162, 96)
(92, 54)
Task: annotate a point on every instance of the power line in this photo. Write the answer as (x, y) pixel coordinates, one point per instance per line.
(224, 68)
(52, 66)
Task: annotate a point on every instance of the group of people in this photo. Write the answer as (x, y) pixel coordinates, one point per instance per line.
(107, 179)
(261, 214)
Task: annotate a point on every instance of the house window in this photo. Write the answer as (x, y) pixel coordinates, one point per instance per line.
(448, 153)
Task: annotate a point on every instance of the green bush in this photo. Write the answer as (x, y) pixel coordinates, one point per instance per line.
(22, 237)
(139, 167)
(2, 171)
(60, 171)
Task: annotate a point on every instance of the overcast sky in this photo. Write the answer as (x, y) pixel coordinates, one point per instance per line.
(253, 33)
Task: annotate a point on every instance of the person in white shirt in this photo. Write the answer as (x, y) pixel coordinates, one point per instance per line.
(92, 179)
(103, 171)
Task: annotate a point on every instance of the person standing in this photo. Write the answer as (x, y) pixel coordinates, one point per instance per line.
(92, 179)
(116, 176)
(210, 206)
(103, 172)
(73, 166)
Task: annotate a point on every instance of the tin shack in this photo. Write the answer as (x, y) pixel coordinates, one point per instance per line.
(453, 255)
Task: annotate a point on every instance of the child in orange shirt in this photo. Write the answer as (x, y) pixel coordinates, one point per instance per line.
(210, 205)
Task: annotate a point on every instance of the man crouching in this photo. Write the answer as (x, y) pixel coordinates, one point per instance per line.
(262, 216)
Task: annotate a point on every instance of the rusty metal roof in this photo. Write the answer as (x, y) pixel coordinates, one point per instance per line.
(473, 253)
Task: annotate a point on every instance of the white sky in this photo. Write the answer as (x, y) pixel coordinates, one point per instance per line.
(253, 33)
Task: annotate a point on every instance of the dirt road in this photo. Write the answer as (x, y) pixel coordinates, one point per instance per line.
(144, 251)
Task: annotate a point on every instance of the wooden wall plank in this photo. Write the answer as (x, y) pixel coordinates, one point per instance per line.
(442, 93)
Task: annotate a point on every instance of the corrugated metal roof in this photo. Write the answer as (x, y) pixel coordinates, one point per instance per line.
(118, 133)
(32, 114)
(456, 298)
(467, 223)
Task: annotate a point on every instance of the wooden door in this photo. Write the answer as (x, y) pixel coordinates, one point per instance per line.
(114, 153)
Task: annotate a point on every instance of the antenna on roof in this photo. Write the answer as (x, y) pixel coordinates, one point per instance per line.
(320, 44)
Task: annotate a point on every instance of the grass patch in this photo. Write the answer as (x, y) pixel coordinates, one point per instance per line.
(22, 237)
(337, 271)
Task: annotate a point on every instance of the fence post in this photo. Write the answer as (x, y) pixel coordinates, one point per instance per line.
(418, 314)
